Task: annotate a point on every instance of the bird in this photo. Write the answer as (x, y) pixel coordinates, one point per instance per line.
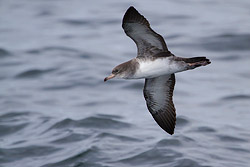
(157, 65)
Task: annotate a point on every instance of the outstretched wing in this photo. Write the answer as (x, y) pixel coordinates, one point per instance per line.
(138, 29)
(158, 94)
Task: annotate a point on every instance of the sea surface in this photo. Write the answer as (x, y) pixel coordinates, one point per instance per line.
(56, 111)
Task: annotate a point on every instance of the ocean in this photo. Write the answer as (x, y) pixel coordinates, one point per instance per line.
(56, 111)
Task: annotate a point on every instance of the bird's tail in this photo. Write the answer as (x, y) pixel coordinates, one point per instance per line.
(194, 62)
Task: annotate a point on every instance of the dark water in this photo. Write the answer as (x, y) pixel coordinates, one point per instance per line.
(56, 111)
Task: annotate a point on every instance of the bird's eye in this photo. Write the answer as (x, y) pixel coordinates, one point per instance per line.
(115, 71)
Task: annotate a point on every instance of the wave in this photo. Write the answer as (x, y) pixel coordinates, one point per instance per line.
(227, 42)
(91, 122)
(32, 73)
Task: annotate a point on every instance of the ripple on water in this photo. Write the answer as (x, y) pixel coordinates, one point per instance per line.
(178, 17)
(228, 58)
(68, 85)
(79, 159)
(237, 97)
(13, 116)
(205, 129)
(62, 50)
(4, 53)
(17, 153)
(237, 149)
(152, 156)
(227, 42)
(169, 143)
(227, 138)
(74, 137)
(185, 162)
(76, 22)
(181, 121)
(11, 123)
(32, 73)
(187, 139)
(122, 138)
(81, 22)
(91, 122)
(11, 129)
(71, 84)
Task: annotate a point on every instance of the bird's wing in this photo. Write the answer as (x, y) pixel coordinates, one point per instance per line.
(138, 29)
(158, 93)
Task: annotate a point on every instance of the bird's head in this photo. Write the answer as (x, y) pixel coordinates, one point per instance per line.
(124, 70)
(117, 72)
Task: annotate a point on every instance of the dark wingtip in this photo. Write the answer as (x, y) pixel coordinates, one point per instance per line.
(171, 132)
(132, 15)
(131, 8)
(208, 61)
(165, 122)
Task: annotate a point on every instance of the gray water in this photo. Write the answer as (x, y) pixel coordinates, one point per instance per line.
(56, 111)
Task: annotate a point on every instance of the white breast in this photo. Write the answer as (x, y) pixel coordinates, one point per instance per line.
(157, 67)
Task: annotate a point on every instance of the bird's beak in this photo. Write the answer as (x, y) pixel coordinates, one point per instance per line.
(109, 77)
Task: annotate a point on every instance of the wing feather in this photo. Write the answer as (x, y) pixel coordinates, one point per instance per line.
(138, 29)
(158, 93)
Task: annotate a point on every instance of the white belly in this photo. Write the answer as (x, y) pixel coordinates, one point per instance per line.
(158, 67)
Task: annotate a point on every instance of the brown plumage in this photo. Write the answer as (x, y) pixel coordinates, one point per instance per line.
(157, 65)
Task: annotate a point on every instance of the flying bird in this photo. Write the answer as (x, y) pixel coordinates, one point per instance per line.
(157, 65)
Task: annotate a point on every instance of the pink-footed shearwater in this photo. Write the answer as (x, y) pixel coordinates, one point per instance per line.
(157, 65)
